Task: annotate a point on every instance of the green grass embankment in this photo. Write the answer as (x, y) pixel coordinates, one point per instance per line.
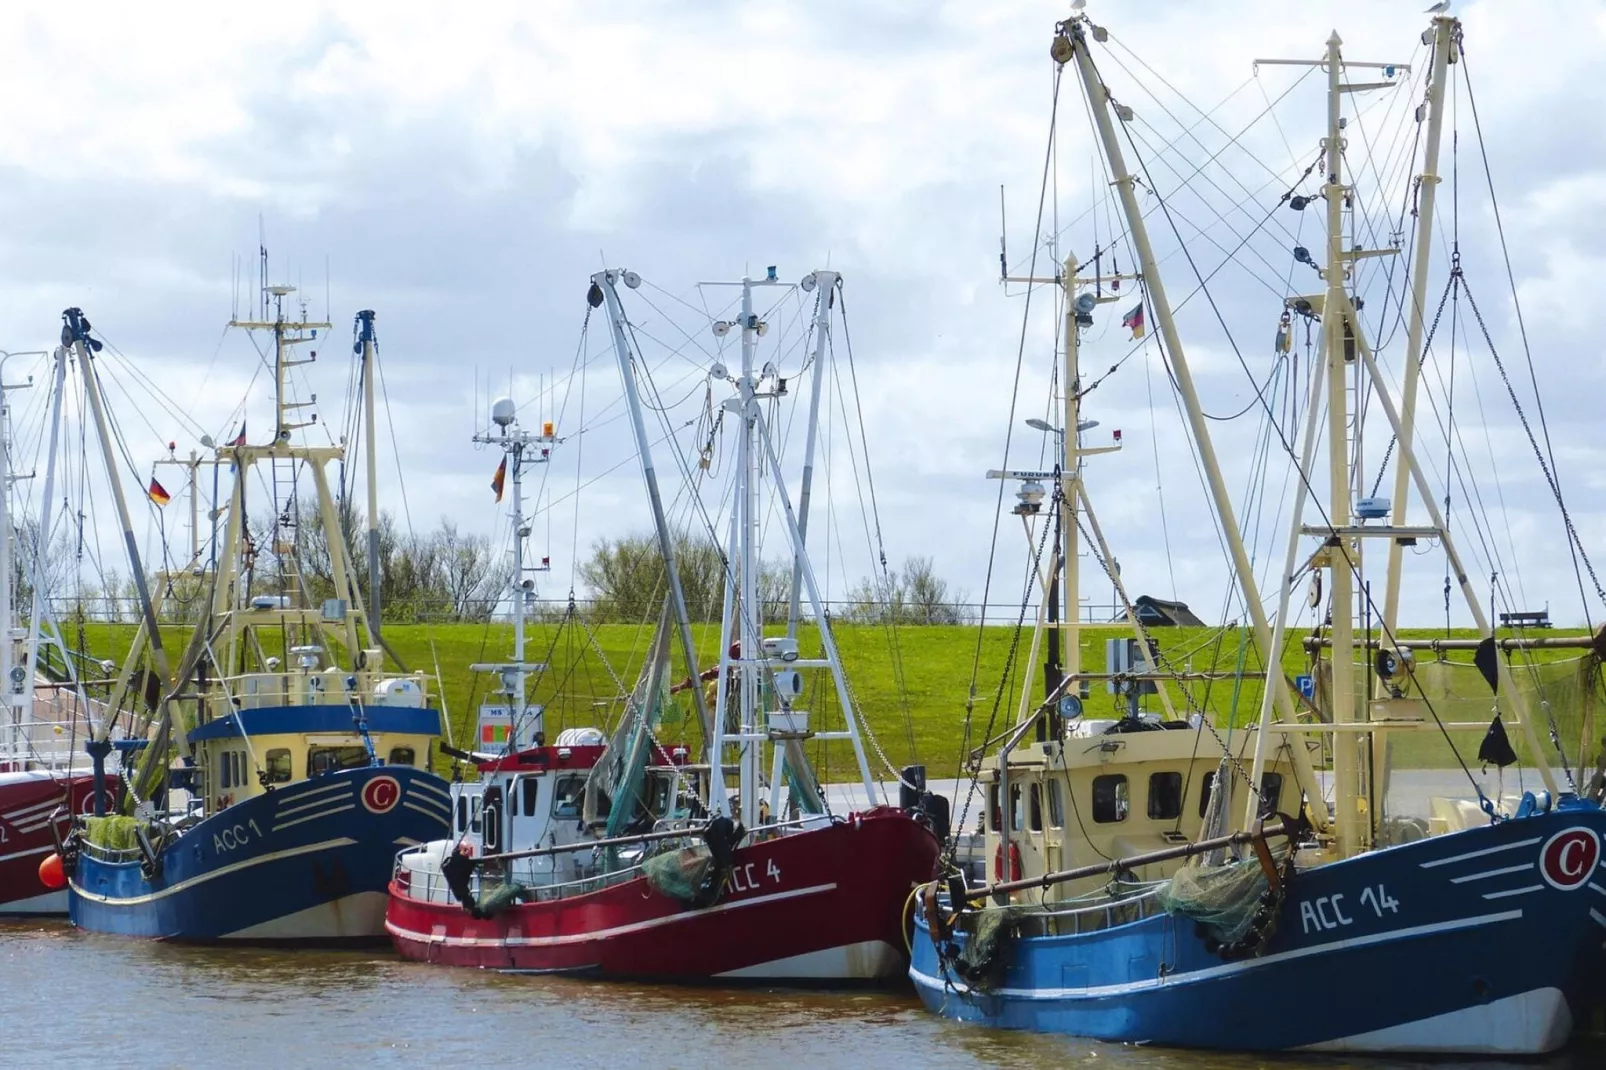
(912, 684)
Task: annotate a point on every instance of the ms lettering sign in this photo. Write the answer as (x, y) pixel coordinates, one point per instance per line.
(1569, 858)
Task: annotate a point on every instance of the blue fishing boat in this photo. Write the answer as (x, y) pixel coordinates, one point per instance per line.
(278, 764)
(1361, 905)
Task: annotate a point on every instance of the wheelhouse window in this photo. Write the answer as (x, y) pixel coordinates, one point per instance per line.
(1056, 806)
(225, 773)
(321, 760)
(1015, 814)
(529, 794)
(1110, 798)
(567, 796)
(1271, 793)
(401, 756)
(1037, 807)
(994, 816)
(1165, 796)
(277, 765)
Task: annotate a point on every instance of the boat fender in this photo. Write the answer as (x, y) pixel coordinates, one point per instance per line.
(1014, 863)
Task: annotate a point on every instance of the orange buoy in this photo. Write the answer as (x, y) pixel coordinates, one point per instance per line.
(51, 873)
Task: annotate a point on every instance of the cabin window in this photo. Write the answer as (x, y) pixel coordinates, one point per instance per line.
(1056, 806)
(1204, 792)
(1165, 796)
(1037, 807)
(1015, 814)
(993, 814)
(1271, 791)
(278, 765)
(476, 807)
(1109, 798)
(321, 760)
(225, 772)
(462, 814)
(566, 797)
(401, 756)
(530, 792)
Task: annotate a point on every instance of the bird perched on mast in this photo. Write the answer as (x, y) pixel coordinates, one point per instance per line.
(1439, 8)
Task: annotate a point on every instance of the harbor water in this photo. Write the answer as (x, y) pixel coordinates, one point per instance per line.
(79, 999)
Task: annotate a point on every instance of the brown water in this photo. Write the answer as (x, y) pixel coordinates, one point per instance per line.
(74, 999)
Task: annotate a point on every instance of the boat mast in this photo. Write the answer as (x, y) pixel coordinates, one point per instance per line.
(1349, 772)
(1446, 30)
(517, 445)
(749, 619)
(1073, 44)
(827, 282)
(368, 341)
(603, 291)
(75, 333)
(41, 607)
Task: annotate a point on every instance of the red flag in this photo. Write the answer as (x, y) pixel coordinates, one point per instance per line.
(158, 493)
(500, 478)
(239, 440)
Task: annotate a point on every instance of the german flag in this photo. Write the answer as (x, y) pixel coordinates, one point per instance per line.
(158, 493)
(500, 478)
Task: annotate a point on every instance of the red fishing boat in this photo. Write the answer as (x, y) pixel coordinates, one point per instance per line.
(616, 855)
(819, 899)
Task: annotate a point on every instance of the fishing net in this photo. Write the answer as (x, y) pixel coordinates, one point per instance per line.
(498, 897)
(114, 833)
(1223, 899)
(681, 875)
(984, 959)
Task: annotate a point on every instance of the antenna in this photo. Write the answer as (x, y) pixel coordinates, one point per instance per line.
(1003, 230)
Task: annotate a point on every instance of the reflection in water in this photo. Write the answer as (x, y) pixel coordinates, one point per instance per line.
(170, 1006)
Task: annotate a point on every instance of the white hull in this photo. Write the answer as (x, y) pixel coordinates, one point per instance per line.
(867, 960)
(352, 917)
(1535, 1021)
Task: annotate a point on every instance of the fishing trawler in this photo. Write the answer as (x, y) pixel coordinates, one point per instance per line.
(284, 762)
(619, 856)
(44, 776)
(1472, 928)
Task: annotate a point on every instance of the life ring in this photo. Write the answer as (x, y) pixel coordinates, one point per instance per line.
(1014, 863)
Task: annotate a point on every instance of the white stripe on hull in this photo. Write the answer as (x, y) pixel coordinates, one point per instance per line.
(1530, 1024)
(347, 918)
(233, 867)
(867, 960)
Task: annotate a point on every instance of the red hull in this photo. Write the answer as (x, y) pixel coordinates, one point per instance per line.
(28, 801)
(827, 904)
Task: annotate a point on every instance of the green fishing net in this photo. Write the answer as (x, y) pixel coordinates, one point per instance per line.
(1224, 899)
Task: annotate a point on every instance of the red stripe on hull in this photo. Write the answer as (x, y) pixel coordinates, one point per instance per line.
(27, 802)
(796, 895)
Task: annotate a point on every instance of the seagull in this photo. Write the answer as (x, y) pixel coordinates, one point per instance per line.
(1439, 8)
(1077, 5)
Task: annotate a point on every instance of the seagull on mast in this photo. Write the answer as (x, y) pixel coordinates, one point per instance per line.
(1439, 8)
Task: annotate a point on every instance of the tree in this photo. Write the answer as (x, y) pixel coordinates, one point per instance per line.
(913, 595)
(628, 581)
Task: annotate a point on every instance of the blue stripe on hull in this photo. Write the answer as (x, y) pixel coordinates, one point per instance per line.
(1409, 935)
(265, 859)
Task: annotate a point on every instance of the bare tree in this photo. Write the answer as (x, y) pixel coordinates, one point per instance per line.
(913, 595)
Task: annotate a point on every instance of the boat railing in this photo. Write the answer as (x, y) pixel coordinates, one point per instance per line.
(430, 885)
(111, 855)
(43, 744)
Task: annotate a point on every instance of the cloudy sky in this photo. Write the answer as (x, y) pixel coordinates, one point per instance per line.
(463, 171)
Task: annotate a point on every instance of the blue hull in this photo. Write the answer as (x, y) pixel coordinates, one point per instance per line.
(1482, 941)
(308, 862)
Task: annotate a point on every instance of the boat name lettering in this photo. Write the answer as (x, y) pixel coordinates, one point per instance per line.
(5, 833)
(230, 838)
(742, 878)
(1326, 913)
(1569, 857)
